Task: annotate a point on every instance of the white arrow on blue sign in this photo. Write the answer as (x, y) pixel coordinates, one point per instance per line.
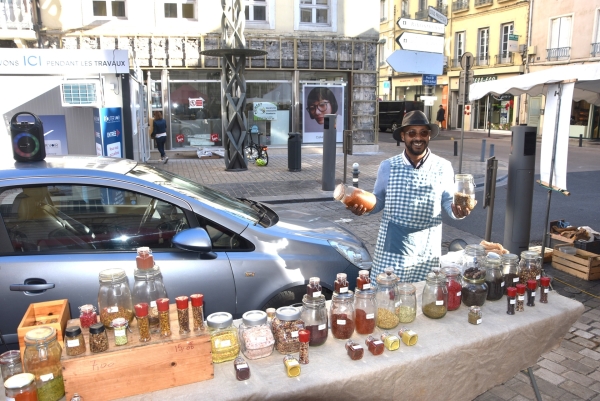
(416, 62)
(422, 43)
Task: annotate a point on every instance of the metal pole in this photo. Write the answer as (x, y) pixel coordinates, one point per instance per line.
(490, 211)
(491, 150)
(482, 157)
(580, 140)
(489, 116)
(355, 173)
(455, 148)
(462, 128)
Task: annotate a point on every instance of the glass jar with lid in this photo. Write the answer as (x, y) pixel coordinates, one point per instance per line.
(74, 341)
(530, 267)
(454, 286)
(473, 257)
(474, 289)
(387, 316)
(365, 309)
(494, 277)
(10, 364)
(363, 281)
(42, 359)
(435, 296)
(223, 337)
(148, 285)
(340, 285)
(98, 338)
(87, 316)
(351, 196)
(313, 289)
(21, 387)
(464, 191)
(286, 324)
(407, 302)
(314, 316)
(510, 270)
(256, 337)
(114, 297)
(342, 315)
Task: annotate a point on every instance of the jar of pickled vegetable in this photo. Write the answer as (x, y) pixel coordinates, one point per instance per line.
(42, 358)
(223, 337)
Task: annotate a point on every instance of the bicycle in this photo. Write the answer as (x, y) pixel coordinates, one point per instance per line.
(254, 151)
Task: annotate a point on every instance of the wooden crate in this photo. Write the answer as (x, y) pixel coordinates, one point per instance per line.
(137, 368)
(583, 264)
(52, 313)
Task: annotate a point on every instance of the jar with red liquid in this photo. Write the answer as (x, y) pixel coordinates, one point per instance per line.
(351, 196)
(313, 289)
(363, 281)
(355, 350)
(88, 315)
(314, 315)
(342, 315)
(374, 345)
(454, 286)
(340, 284)
(494, 277)
(365, 308)
(544, 289)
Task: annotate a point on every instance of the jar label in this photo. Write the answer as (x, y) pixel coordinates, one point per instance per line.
(153, 304)
(294, 334)
(515, 279)
(533, 293)
(377, 342)
(441, 302)
(260, 339)
(10, 399)
(537, 277)
(521, 297)
(343, 290)
(355, 347)
(120, 333)
(292, 362)
(366, 286)
(370, 316)
(546, 290)
(458, 293)
(341, 322)
(113, 309)
(73, 343)
(322, 326)
(316, 294)
(512, 302)
(224, 343)
(242, 366)
(502, 284)
(46, 377)
(478, 321)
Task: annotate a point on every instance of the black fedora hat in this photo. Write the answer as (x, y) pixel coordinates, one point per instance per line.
(416, 117)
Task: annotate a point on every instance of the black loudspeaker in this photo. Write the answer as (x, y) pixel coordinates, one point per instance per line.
(27, 139)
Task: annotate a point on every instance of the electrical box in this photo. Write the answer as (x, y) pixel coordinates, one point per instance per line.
(531, 50)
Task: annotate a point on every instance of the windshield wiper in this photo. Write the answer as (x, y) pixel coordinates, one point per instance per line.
(264, 211)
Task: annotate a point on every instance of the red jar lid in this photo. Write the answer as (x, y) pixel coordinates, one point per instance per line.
(182, 302)
(520, 288)
(545, 281)
(531, 284)
(511, 291)
(197, 299)
(304, 335)
(162, 304)
(141, 309)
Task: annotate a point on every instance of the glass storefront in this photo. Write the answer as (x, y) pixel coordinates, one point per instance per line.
(498, 110)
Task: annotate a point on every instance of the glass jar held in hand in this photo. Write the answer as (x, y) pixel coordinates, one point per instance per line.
(355, 199)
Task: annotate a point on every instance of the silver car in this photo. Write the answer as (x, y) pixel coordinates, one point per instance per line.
(67, 218)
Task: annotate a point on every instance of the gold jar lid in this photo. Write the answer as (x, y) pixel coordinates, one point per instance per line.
(42, 334)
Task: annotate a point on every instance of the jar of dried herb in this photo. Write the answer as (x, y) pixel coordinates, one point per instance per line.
(223, 337)
(98, 338)
(164, 321)
(141, 313)
(544, 289)
(114, 297)
(387, 315)
(198, 311)
(120, 326)
(286, 326)
(183, 314)
(475, 315)
(74, 341)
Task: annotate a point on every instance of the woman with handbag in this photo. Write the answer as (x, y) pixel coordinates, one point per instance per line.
(159, 134)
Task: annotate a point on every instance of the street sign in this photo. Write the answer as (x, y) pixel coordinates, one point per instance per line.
(429, 80)
(513, 43)
(416, 62)
(467, 59)
(471, 75)
(420, 42)
(424, 26)
(438, 16)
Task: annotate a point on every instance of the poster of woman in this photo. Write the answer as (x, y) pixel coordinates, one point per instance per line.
(319, 101)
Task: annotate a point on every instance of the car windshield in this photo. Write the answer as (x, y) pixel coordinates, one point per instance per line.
(197, 191)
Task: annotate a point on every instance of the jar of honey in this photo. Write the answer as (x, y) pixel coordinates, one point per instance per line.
(351, 196)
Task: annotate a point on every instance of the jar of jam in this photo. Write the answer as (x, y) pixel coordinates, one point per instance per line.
(494, 277)
(510, 270)
(87, 315)
(256, 337)
(21, 387)
(365, 308)
(363, 281)
(435, 296)
(242, 370)
(313, 289)
(342, 315)
(387, 315)
(351, 196)
(355, 350)
(407, 302)
(530, 266)
(453, 285)
(314, 316)
(223, 337)
(341, 283)
(286, 326)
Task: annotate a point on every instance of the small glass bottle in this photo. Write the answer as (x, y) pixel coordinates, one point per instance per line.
(374, 346)
(164, 322)
(313, 289)
(391, 342)
(98, 338)
(475, 314)
(198, 311)
(510, 270)
(494, 277)
(76, 397)
(435, 296)
(21, 387)
(351, 196)
(304, 340)
(511, 295)
(544, 289)
(454, 287)
(531, 287)
(242, 370)
(343, 316)
(355, 350)
(520, 297)
(224, 342)
(183, 314)
(120, 326)
(141, 313)
(74, 341)
(10, 364)
(464, 192)
(292, 367)
(408, 336)
(406, 301)
(87, 316)
(363, 281)
(341, 283)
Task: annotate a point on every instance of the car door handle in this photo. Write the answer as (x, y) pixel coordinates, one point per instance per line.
(31, 287)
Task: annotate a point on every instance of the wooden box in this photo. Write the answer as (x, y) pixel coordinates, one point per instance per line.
(137, 368)
(583, 264)
(547, 252)
(52, 313)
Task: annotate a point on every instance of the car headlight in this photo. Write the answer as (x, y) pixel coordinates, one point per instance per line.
(356, 255)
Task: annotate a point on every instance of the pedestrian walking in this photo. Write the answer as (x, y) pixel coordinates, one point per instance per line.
(159, 133)
(441, 117)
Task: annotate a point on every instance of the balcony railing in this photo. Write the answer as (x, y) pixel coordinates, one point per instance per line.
(595, 49)
(460, 5)
(16, 15)
(504, 58)
(479, 3)
(423, 14)
(558, 53)
(482, 59)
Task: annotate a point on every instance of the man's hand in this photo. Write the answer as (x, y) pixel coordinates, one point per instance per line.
(460, 212)
(357, 209)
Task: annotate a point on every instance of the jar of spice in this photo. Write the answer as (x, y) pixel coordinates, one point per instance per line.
(242, 370)
(255, 335)
(286, 324)
(223, 337)
(511, 300)
(435, 296)
(355, 350)
(464, 191)
(341, 284)
(530, 266)
(198, 311)
(304, 336)
(10, 364)
(544, 289)
(387, 315)
(452, 274)
(365, 308)
(473, 256)
(531, 287)
(520, 297)
(21, 387)
(42, 359)
(98, 338)
(120, 326)
(183, 314)
(351, 196)
(363, 281)
(408, 336)
(314, 316)
(148, 285)
(474, 290)
(390, 341)
(374, 345)
(342, 315)
(292, 367)
(141, 313)
(74, 341)
(406, 295)
(510, 270)
(87, 315)
(164, 321)
(475, 315)
(494, 277)
(114, 297)
(313, 289)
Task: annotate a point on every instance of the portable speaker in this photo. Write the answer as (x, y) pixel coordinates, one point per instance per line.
(27, 139)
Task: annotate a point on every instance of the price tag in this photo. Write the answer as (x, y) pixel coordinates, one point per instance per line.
(459, 293)
(439, 302)
(521, 297)
(366, 286)
(370, 316)
(73, 343)
(292, 362)
(294, 334)
(225, 343)
(341, 322)
(343, 290)
(515, 279)
(537, 277)
(546, 290)
(316, 294)
(377, 342)
(153, 304)
(322, 326)
(46, 377)
(502, 285)
(512, 301)
(120, 332)
(397, 304)
(113, 309)
(478, 321)
(242, 366)
(261, 339)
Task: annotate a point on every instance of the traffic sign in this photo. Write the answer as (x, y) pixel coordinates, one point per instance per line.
(420, 42)
(429, 80)
(416, 62)
(466, 60)
(438, 16)
(471, 76)
(424, 26)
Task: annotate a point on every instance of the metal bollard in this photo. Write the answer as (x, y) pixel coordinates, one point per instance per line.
(580, 140)
(455, 148)
(483, 141)
(355, 173)
(491, 150)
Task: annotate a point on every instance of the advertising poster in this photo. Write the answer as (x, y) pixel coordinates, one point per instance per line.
(265, 111)
(318, 101)
(55, 135)
(108, 132)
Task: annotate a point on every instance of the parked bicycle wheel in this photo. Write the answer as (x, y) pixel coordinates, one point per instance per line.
(251, 153)
(265, 156)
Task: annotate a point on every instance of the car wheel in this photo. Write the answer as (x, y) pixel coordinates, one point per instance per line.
(292, 296)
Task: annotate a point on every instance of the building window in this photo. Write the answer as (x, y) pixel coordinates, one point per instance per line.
(107, 8)
(505, 31)
(316, 15)
(422, 5)
(256, 10)
(560, 38)
(483, 46)
(383, 10)
(460, 44)
(180, 9)
(404, 9)
(596, 40)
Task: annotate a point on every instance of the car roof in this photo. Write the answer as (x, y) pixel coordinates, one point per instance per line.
(71, 164)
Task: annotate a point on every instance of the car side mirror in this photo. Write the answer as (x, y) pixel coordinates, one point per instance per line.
(195, 240)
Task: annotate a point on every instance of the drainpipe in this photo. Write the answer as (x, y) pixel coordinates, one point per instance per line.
(38, 25)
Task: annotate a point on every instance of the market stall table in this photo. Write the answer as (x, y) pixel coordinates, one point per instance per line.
(452, 359)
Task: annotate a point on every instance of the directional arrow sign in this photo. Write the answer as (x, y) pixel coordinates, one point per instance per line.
(416, 62)
(423, 43)
(424, 26)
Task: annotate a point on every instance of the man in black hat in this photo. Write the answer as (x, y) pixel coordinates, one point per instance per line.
(412, 188)
(441, 116)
